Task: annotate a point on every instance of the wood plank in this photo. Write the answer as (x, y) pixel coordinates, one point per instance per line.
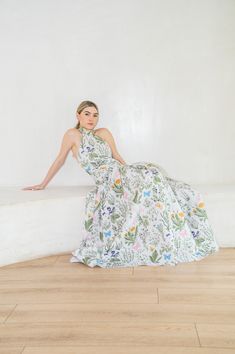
(94, 334)
(73, 275)
(216, 335)
(12, 350)
(124, 350)
(112, 292)
(196, 296)
(129, 312)
(5, 311)
(56, 272)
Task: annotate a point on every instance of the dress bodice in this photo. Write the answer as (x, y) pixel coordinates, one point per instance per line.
(96, 156)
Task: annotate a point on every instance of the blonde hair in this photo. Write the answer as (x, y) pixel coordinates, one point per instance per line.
(83, 105)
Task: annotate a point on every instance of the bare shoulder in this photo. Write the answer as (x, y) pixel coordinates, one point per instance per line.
(103, 132)
(98, 130)
(72, 132)
(71, 137)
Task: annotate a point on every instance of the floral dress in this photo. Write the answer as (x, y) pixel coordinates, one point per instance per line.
(137, 215)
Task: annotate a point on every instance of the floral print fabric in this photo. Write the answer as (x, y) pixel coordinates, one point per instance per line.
(138, 215)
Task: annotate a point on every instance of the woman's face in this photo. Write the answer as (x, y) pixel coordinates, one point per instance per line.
(88, 118)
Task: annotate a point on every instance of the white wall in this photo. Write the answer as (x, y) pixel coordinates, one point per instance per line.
(161, 72)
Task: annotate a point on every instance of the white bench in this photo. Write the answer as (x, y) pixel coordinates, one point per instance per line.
(47, 222)
(40, 223)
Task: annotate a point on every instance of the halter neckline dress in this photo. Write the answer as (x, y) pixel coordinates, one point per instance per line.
(137, 215)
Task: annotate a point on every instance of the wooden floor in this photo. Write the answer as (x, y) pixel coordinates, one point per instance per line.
(52, 306)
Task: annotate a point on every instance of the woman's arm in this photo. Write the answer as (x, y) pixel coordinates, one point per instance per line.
(67, 143)
(107, 135)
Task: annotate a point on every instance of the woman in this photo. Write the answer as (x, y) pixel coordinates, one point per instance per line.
(136, 214)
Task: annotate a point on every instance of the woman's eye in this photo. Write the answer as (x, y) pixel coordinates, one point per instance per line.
(88, 114)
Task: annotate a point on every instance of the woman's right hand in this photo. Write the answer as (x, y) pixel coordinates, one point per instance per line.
(35, 187)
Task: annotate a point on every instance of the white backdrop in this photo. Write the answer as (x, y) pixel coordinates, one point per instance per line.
(161, 72)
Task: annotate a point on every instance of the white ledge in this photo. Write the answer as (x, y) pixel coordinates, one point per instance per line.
(40, 223)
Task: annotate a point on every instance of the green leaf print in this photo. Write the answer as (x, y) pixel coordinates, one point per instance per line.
(201, 213)
(101, 236)
(86, 260)
(178, 222)
(144, 220)
(88, 224)
(130, 236)
(137, 197)
(97, 206)
(113, 260)
(156, 180)
(154, 257)
(199, 240)
(94, 155)
(165, 220)
(114, 217)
